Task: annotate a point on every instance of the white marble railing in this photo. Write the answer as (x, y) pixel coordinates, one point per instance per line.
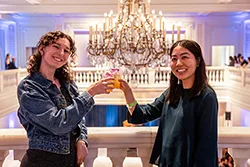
(160, 77)
(88, 75)
(85, 76)
(120, 141)
(11, 78)
(216, 75)
(146, 84)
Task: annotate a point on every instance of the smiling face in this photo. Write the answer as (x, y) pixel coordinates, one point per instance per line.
(183, 64)
(56, 54)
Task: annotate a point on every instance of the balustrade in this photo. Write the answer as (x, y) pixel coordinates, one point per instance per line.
(153, 77)
(143, 82)
(119, 140)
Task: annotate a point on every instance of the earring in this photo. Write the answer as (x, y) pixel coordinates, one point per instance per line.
(41, 52)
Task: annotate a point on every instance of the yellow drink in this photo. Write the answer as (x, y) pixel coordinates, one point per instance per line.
(108, 90)
(114, 73)
(117, 84)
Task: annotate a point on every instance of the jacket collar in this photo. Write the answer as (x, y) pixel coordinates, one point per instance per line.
(39, 78)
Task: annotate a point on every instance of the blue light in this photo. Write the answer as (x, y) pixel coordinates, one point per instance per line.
(152, 123)
(245, 118)
(12, 118)
(111, 116)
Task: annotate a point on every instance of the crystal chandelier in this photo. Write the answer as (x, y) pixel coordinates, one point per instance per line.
(134, 38)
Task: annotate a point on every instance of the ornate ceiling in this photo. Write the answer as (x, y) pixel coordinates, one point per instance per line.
(98, 7)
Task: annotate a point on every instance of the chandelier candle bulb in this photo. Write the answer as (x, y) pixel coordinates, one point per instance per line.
(132, 29)
(178, 33)
(150, 33)
(100, 35)
(154, 22)
(173, 33)
(118, 7)
(104, 29)
(160, 13)
(111, 18)
(133, 6)
(105, 17)
(90, 33)
(96, 32)
(164, 31)
(148, 5)
(110, 22)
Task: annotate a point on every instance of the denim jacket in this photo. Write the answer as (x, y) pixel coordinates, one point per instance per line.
(46, 117)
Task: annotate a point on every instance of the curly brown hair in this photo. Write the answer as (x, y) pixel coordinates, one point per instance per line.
(63, 73)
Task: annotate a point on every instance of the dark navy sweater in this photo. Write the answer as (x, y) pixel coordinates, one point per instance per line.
(187, 134)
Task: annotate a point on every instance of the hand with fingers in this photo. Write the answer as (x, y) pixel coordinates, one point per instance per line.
(114, 72)
(82, 151)
(104, 86)
(129, 96)
(124, 86)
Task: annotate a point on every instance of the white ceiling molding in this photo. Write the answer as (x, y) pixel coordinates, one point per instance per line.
(98, 7)
(225, 1)
(101, 9)
(34, 2)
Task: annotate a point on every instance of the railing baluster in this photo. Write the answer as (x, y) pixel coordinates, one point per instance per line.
(145, 153)
(3, 155)
(18, 154)
(117, 156)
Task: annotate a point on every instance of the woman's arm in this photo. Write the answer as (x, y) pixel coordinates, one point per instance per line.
(82, 143)
(129, 96)
(38, 108)
(83, 131)
(139, 114)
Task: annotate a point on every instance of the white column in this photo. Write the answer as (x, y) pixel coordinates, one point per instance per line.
(145, 153)
(18, 154)
(117, 156)
(3, 155)
(151, 76)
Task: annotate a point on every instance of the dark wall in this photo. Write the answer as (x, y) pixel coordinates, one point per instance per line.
(110, 116)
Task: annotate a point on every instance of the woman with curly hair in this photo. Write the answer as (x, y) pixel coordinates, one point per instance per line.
(52, 109)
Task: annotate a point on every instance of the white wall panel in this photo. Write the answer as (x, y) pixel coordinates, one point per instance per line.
(81, 44)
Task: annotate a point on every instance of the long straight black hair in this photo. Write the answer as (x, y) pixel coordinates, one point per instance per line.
(200, 80)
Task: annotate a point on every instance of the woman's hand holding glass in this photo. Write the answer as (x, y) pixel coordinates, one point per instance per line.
(124, 86)
(114, 73)
(104, 86)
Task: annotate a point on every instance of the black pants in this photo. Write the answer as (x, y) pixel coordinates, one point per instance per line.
(40, 158)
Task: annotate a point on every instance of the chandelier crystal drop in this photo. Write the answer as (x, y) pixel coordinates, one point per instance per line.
(134, 38)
